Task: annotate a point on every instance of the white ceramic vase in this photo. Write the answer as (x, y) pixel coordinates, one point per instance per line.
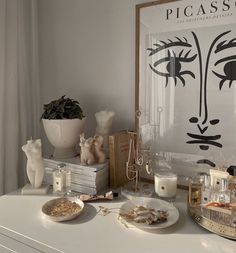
(64, 134)
(104, 122)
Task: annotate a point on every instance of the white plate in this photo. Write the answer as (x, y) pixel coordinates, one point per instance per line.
(151, 203)
(53, 202)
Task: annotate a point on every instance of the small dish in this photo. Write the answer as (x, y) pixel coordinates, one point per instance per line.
(153, 203)
(62, 209)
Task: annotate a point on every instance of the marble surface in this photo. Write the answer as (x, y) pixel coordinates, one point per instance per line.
(21, 220)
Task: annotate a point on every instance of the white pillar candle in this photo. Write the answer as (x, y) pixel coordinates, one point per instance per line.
(165, 184)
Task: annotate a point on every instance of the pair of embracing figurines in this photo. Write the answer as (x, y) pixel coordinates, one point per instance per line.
(91, 150)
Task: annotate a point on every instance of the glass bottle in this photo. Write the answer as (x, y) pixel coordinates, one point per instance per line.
(224, 193)
(62, 179)
(67, 180)
(58, 179)
(206, 190)
(195, 189)
(233, 217)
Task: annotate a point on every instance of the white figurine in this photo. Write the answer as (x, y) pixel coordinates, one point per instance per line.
(104, 121)
(87, 150)
(98, 149)
(34, 167)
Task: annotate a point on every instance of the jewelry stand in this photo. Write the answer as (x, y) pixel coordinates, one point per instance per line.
(135, 188)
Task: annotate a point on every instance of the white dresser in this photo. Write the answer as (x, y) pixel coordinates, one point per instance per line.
(23, 229)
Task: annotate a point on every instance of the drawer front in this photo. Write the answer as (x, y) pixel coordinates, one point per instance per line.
(10, 245)
(11, 241)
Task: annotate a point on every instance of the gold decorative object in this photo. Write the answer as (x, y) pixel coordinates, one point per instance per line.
(213, 226)
(219, 220)
(135, 157)
(135, 163)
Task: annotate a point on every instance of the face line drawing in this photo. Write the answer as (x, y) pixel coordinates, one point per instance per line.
(201, 71)
(203, 98)
(200, 139)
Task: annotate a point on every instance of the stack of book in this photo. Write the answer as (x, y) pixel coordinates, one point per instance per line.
(88, 179)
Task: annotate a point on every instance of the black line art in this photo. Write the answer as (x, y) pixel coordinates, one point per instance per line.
(206, 161)
(174, 70)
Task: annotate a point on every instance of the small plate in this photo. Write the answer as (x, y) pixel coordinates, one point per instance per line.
(155, 204)
(70, 216)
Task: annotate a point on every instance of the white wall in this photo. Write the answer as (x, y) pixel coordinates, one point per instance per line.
(87, 51)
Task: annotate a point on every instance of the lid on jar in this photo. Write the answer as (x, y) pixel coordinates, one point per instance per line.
(165, 174)
(61, 166)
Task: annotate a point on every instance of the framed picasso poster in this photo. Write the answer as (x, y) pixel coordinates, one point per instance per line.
(186, 81)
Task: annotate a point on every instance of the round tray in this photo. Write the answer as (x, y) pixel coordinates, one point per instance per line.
(212, 226)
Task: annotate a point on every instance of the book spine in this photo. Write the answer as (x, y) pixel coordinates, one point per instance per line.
(112, 162)
(76, 170)
(77, 165)
(76, 180)
(83, 189)
(85, 175)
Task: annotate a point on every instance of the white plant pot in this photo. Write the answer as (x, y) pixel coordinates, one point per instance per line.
(64, 134)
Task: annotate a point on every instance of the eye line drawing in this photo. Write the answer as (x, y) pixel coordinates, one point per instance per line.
(224, 45)
(182, 59)
(167, 45)
(223, 79)
(174, 64)
(229, 74)
(233, 57)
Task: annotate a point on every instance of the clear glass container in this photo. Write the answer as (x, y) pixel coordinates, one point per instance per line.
(67, 181)
(232, 187)
(62, 180)
(206, 189)
(223, 195)
(195, 189)
(165, 184)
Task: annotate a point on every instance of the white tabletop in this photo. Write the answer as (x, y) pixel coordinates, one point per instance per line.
(22, 222)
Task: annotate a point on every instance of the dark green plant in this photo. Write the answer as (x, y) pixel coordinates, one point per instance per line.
(62, 108)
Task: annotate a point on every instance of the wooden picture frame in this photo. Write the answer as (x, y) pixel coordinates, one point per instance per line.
(202, 21)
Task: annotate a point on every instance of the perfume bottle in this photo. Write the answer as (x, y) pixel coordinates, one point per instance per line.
(62, 180)
(216, 176)
(206, 190)
(58, 179)
(224, 194)
(67, 180)
(233, 191)
(195, 189)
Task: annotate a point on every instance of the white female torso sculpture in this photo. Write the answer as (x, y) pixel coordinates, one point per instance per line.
(34, 167)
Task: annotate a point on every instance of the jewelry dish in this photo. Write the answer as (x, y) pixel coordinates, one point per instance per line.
(150, 203)
(62, 209)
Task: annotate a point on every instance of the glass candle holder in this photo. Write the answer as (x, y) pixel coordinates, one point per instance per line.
(165, 184)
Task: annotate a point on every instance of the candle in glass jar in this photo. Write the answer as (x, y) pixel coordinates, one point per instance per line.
(165, 184)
